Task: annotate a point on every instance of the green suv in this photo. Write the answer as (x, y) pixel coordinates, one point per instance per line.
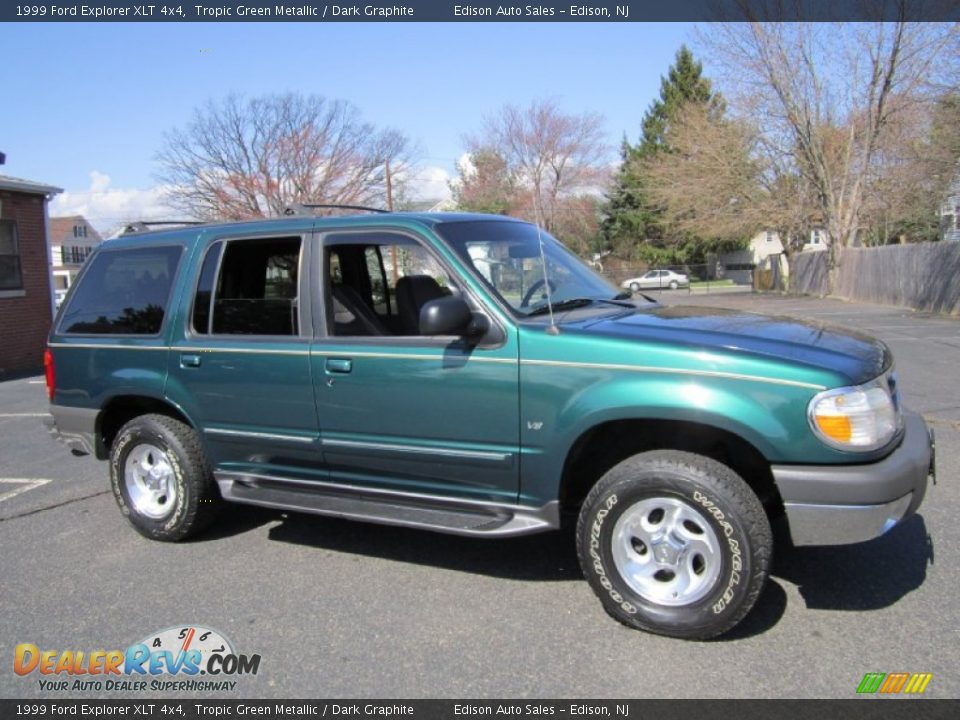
(467, 374)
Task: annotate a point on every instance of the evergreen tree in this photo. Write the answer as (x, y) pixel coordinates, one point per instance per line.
(632, 224)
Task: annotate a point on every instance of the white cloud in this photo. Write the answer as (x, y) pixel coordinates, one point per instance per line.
(430, 183)
(108, 208)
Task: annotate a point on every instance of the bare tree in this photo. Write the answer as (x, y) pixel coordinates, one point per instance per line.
(554, 158)
(254, 158)
(824, 98)
(710, 181)
(484, 183)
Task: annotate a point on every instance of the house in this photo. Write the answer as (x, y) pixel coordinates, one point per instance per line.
(816, 241)
(26, 297)
(72, 239)
(765, 247)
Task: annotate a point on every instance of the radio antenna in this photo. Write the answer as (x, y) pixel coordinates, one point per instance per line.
(552, 328)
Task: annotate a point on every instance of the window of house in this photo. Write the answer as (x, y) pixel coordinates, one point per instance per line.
(74, 254)
(124, 292)
(257, 290)
(771, 236)
(956, 218)
(11, 276)
(79, 231)
(816, 237)
(378, 282)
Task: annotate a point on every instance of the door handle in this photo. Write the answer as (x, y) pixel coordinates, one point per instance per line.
(339, 365)
(189, 361)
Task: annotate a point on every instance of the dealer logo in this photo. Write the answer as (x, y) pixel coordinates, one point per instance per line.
(184, 652)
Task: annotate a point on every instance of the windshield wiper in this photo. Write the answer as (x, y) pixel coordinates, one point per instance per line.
(573, 303)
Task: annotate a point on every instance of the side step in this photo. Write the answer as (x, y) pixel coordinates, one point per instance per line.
(388, 507)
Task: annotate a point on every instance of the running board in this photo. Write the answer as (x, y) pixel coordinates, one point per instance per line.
(388, 507)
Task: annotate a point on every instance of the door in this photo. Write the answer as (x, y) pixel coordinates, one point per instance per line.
(399, 410)
(241, 367)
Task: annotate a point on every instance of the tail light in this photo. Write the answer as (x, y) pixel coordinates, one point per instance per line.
(50, 373)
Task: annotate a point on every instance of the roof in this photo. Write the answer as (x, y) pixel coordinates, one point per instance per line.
(282, 223)
(27, 186)
(63, 225)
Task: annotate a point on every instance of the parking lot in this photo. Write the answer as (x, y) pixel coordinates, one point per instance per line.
(340, 609)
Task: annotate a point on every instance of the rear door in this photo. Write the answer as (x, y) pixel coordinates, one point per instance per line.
(240, 365)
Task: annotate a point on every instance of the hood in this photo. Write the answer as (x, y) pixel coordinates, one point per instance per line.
(857, 356)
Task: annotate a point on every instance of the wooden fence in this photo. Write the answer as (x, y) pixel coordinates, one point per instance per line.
(923, 276)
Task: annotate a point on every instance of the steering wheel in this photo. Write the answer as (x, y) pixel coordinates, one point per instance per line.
(528, 296)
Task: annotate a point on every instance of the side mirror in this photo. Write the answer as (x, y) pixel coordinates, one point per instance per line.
(445, 316)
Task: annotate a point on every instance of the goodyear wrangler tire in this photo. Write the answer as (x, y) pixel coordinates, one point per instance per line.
(674, 543)
(161, 478)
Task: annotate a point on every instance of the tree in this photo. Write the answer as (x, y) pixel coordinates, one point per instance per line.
(553, 163)
(253, 158)
(485, 183)
(914, 174)
(710, 183)
(826, 99)
(634, 218)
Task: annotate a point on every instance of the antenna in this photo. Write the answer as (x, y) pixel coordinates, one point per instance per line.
(552, 329)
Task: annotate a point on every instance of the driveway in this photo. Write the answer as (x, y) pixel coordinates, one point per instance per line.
(340, 609)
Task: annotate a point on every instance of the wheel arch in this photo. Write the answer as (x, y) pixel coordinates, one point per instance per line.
(607, 443)
(120, 409)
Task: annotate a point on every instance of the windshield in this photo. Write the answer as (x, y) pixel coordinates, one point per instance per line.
(506, 255)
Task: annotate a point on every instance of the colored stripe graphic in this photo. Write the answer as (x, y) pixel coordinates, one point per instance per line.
(870, 683)
(918, 683)
(894, 683)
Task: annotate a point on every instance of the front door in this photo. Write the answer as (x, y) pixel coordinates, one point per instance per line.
(399, 410)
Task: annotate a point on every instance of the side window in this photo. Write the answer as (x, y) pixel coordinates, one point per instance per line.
(123, 292)
(203, 299)
(256, 292)
(378, 283)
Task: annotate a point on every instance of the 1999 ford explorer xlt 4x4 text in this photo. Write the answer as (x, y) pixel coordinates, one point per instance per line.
(467, 374)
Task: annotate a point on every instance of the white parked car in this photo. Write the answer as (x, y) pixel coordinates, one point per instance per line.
(657, 279)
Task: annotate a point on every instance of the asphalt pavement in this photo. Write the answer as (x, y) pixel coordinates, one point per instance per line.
(341, 609)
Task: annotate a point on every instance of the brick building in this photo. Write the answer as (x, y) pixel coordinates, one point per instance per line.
(26, 306)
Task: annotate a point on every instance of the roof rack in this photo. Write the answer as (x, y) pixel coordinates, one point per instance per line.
(145, 225)
(306, 208)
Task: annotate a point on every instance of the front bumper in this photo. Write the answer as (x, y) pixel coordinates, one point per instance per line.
(844, 504)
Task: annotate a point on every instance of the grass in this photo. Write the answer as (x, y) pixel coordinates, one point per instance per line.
(711, 283)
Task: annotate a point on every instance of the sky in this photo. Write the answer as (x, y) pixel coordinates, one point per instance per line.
(87, 105)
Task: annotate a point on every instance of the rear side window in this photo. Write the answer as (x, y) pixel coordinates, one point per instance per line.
(204, 296)
(123, 292)
(256, 292)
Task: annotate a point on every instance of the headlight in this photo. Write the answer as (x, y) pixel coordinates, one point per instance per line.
(862, 417)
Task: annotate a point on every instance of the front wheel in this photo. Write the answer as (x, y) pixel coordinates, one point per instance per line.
(674, 543)
(635, 287)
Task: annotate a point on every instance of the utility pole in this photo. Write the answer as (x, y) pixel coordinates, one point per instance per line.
(393, 248)
(389, 187)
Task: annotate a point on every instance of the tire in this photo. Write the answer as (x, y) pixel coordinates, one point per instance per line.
(635, 287)
(673, 583)
(673, 285)
(161, 478)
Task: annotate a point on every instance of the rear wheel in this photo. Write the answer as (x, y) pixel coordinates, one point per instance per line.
(161, 478)
(674, 285)
(674, 543)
